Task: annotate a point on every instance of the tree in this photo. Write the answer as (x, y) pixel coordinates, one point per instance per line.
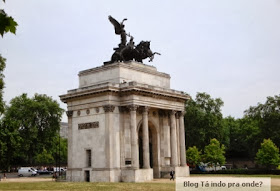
(193, 156)
(37, 121)
(243, 137)
(44, 158)
(7, 23)
(267, 116)
(9, 144)
(203, 120)
(60, 150)
(214, 153)
(268, 154)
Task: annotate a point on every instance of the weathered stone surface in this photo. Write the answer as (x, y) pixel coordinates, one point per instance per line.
(138, 175)
(182, 171)
(124, 73)
(120, 99)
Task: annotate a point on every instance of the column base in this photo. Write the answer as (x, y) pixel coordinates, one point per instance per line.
(136, 175)
(106, 175)
(113, 175)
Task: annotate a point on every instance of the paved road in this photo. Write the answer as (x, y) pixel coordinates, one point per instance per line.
(15, 175)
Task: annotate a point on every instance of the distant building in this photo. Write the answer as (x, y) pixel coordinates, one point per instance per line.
(63, 130)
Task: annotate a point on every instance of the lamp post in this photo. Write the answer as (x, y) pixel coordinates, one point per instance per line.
(59, 154)
(55, 170)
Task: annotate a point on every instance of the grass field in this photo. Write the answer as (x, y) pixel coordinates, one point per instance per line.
(85, 186)
(159, 184)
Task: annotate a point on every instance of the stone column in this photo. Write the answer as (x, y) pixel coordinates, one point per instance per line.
(182, 139)
(70, 139)
(173, 140)
(145, 131)
(134, 137)
(109, 133)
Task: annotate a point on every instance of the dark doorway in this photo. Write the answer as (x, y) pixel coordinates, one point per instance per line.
(140, 150)
(87, 176)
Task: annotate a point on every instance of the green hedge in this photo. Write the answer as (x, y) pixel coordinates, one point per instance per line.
(239, 171)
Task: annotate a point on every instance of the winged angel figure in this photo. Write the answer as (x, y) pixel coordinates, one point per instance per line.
(119, 29)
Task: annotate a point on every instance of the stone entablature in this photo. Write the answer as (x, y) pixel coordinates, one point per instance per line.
(126, 89)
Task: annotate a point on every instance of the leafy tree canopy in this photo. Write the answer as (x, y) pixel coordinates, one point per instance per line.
(37, 121)
(268, 154)
(193, 156)
(7, 23)
(44, 158)
(268, 117)
(214, 153)
(203, 120)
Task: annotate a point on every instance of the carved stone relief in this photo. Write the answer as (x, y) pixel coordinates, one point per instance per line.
(88, 125)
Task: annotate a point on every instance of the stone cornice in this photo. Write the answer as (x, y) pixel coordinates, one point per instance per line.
(87, 92)
(131, 88)
(130, 65)
(153, 93)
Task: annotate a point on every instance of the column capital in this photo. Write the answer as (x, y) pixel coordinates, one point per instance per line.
(108, 108)
(172, 112)
(144, 109)
(69, 113)
(133, 107)
(182, 113)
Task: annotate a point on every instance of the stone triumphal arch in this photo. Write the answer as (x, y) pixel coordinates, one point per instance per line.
(125, 124)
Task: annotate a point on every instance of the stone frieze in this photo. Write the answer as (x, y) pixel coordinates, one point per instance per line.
(88, 125)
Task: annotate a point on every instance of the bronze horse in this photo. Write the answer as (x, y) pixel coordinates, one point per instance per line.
(139, 53)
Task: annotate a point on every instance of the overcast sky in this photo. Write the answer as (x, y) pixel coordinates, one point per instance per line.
(228, 49)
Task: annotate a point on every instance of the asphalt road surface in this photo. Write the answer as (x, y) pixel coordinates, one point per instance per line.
(15, 175)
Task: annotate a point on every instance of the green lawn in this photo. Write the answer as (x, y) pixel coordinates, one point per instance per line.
(57, 186)
(85, 186)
